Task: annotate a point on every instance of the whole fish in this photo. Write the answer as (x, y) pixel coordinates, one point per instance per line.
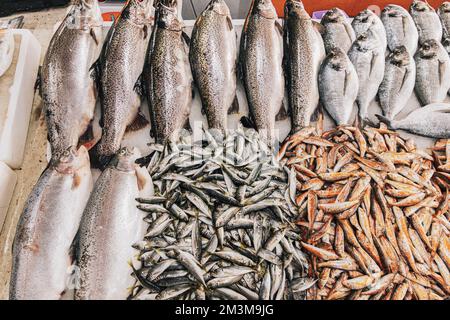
(7, 47)
(47, 228)
(305, 52)
(67, 85)
(167, 74)
(261, 63)
(427, 21)
(432, 72)
(444, 15)
(430, 121)
(213, 55)
(338, 31)
(119, 68)
(367, 56)
(398, 82)
(400, 28)
(111, 224)
(338, 86)
(368, 20)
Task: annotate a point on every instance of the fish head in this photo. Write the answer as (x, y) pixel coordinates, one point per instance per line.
(445, 7)
(400, 56)
(265, 9)
(421, 6)
(70, 160)
(219, 7)
(295, 8)
(365, 17)
(125, 159)
(336, 59)
(334, 15)
(139, 11)
(446, 44)
(366, 41)
(393, 11)
(167, 15)
(429, 49)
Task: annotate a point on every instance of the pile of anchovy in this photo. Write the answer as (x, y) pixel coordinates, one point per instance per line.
(220, 223)
(373, 213)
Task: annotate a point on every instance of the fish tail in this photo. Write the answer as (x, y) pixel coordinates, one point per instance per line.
(385, 120)
(98, 160)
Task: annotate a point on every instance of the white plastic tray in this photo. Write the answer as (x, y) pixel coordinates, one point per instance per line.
(16, 97)
(8, 179)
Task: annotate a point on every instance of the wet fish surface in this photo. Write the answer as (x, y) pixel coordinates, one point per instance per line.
(398, 82)
(444, 14)
(213, 58)
(368, 20)
(67, 86)
(338, 86)
(304, 54)
(427, 21)
(110, 225)
(47, 227)
(338, 32)
(400, 28)
(261, 65)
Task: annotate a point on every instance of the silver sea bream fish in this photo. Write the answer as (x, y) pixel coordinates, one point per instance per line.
(338, 31)
(368, 20)
(213, 58)
(261, 65)
(338, 86)
(304, 53)
(400, 28)
(427, 21)
(119, 69)
(67, 84)
(167, 73)
(47, 228)
(444, 14)
(430, 121)
(111, 223)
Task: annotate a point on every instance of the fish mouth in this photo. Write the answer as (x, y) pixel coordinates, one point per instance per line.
(399, 56)
(364, 16)
(392, 11)
(333, 15)
(428, 49)
(219, 7)
(420, 6)
(71, 159)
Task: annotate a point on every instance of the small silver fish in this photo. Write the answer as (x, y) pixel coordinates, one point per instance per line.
(338, 32)
(400, 28)
(427, 21)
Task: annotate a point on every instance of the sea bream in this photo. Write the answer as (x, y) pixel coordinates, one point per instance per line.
(431, 121)
(398, 82)
(432, 72)
(427, 21)
(368, 20)
(119, 69)
(304, 53)
(167, 73)
(261, 65)
(111, 224)
(213, 58)
(47, 228)
(444, 15)
(338, 86)
(67, 85)
(400, 28)
(338, 31)
(367, 56)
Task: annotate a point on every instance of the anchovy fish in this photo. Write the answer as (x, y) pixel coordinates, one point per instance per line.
(427, 21)
(338, 32)
(213, 54)
(432, 72)
(367, 56)
(400, 28)
(47, 227)
(338, 86)
(398, 82)
(261, 64)
(430, 121)
(304, 53)
(119, 68)
(67, 86)
(368, 20)
(111, 224)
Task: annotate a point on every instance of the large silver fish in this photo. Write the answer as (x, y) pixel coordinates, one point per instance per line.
(427, 21)
(338, 86)
(67, 87)
(367, 56)
(366, 20)
(304, 53)
(120, 67)
(432, 72)
(338, 31)
(261, 63)
(430, 121)
(400, 28)
(111, 224)
(213, 55)
(398, 82)
(47, 228)
(167, 74)
(444, 15)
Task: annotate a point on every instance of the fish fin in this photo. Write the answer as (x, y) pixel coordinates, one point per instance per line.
(98, 161)
(279, 27)
(94, 36)
(385, 120)
(247, 122)
(193, 90)
(88, 138)
(282, 114)
(234, 108)
(373, 61)
(138, 123)
(442, 70)
(315, 115)
(404, 80)
(38, 83)
(230, 23)
(145, 29)
(320, 28)
(186, 38)
(350, 32)
(346, 82)
(139, 86)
